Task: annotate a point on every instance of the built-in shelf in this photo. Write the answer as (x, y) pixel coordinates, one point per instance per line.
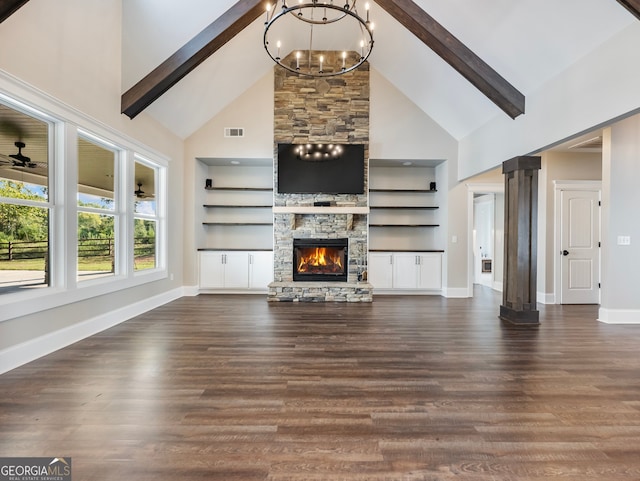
(216, 206)
(404, 190)
(405, 207)
(237, 223)
(260, 189)
(320, 210)
(404, 225)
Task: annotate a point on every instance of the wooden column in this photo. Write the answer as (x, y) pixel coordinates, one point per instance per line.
(519, 304)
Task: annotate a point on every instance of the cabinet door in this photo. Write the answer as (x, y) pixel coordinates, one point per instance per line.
(212, 269)
(430, 267)
(260, 269)
(380, 270)
(236, 270)
(405, 270)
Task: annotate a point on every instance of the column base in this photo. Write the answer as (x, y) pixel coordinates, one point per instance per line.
(520, 318)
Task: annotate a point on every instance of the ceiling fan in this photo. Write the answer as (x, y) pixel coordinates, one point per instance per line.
(19, 159)
(140, 194)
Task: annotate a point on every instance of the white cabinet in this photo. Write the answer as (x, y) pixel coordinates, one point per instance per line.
(405, 270)
(260, 269)
(212, 269)
(381, 270)
(430, 271)
(235, 269)
(413, 271)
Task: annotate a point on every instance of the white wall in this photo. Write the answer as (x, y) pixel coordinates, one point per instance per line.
(254, 112)
(398, 129)
(620, 197)
(598, 88)
(70, 50)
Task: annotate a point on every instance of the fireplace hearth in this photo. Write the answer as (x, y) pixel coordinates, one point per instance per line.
(320, 260)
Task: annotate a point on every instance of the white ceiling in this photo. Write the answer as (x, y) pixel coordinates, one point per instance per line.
(528, 42)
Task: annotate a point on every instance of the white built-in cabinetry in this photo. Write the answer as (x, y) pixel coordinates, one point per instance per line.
(406, 238)
(236, 269)
(236, 229)
(420, 271)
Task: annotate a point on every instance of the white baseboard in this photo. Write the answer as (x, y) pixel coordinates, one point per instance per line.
(455, 292)
(545, 298)
(31, 350)
(191, 291)
(497, 286)
(619, 316)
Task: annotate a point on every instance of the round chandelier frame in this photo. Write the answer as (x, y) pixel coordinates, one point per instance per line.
(316, 14)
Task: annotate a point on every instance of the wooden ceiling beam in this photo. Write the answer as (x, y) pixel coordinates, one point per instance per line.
(188, 57)
(8, 8)
(456, 54)
(632, 5)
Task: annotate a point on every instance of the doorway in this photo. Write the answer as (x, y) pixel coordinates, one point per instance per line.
(485, 227)
(577, 242)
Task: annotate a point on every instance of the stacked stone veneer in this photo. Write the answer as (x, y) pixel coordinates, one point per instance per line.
(330, 109)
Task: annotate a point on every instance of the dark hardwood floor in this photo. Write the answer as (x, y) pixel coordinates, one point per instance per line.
(407, 388)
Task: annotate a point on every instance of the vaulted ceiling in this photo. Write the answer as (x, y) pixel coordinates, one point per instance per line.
(461, 61)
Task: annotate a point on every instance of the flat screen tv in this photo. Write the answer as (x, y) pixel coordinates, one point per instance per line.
(321, 168)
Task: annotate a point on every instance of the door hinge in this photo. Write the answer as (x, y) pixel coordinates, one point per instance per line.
(599, 244)
(599, 285)
(599, 203)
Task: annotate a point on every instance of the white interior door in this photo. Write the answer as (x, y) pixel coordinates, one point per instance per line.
(579, 244)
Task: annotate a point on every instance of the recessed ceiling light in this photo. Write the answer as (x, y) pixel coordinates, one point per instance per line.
(407, 163)
(235, 162)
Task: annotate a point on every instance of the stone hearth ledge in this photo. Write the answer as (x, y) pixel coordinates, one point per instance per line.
(290, 291)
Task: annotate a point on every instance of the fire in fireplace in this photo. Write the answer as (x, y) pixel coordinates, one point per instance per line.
(320, 259)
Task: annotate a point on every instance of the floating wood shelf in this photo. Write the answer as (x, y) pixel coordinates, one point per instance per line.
(406, 207)
(404, 225)
(237, 223)
(260, 189)
(209, 206)
(403, 190)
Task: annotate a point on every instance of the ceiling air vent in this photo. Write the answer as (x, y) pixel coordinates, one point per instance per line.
(234, 132)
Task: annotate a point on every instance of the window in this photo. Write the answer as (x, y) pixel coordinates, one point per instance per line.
(96, 210)
(81, 207)
(25, 205)
(145, 217)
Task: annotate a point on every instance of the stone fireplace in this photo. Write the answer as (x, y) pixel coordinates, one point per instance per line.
(322, 110)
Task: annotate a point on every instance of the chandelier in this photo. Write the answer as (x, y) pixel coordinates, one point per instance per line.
(318, 38)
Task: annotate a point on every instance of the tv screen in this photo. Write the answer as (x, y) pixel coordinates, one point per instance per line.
(321, 168)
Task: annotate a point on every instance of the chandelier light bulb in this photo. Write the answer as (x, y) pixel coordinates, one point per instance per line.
(321, 60)
(298, 60)
(366, 7)
(344, 59)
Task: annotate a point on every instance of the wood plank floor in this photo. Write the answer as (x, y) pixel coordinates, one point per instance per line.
(404, 389)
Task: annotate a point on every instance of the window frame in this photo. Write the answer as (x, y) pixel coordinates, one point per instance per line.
(67, 125)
